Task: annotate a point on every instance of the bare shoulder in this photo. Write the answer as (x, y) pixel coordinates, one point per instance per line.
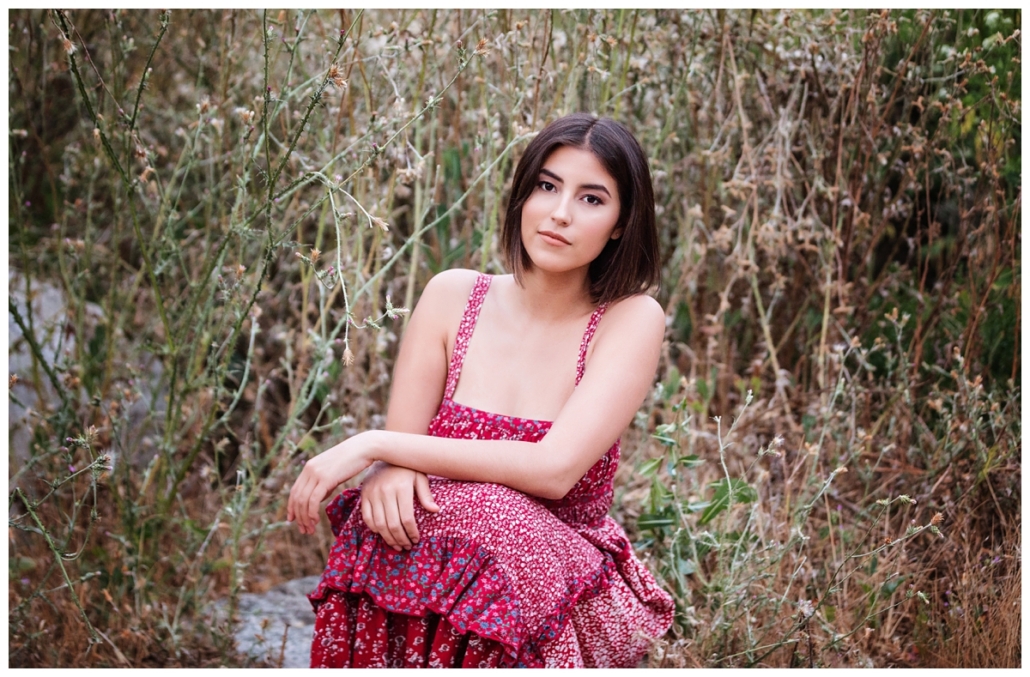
(443, 299)
(447, 283)
(449, 287)
(638, 313)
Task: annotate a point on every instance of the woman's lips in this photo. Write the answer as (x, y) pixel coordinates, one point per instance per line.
(553, 238)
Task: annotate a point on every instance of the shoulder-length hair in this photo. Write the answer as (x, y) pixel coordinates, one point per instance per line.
(627, 265)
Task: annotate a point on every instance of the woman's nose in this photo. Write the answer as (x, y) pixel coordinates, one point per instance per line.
(562, 212)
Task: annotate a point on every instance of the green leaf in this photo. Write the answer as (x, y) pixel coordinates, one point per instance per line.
(659, 492)
(692, 461)
(665, 439)
(740, 491)
(890, 586)
(702, 389)
(651, 520)
(672, 383)
(650, 467)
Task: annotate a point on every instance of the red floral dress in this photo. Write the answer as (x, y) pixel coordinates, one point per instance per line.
(498, 578)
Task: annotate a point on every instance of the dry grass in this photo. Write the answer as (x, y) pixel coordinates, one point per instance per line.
(247, 195)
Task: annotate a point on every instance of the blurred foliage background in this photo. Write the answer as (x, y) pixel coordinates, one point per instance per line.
(215, 215)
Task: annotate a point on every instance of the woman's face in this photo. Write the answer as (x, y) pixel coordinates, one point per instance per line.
(571, 214)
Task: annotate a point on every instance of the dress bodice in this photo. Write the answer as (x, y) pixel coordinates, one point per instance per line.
(591, 497)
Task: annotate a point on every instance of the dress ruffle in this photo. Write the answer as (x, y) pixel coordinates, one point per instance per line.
(451, 576)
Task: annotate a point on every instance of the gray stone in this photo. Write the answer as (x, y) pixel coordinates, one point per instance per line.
(264, 618)
(50, 316)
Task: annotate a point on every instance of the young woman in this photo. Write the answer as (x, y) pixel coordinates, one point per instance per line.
(508, 400)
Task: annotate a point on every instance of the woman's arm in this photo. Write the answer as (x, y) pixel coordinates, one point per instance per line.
(388, 491)
(420, 372)
(621, 369)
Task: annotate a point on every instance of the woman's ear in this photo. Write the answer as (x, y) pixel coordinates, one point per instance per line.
(616, 234)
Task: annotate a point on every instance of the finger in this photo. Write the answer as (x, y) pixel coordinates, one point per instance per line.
(300, 499)
(366, 512)
(317, 492)
(305, 491)
(379, 522)
(406, 510)
(425, 494)
(294, 504)
(393, 523)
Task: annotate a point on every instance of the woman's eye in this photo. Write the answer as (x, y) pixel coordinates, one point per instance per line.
(593, 200)
(546, 185)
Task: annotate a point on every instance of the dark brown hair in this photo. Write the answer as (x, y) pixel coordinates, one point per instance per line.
(627, 265)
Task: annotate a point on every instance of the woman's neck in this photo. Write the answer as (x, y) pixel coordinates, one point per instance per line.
(554, 297)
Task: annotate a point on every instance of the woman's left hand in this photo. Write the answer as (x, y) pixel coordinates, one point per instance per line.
(321, 476)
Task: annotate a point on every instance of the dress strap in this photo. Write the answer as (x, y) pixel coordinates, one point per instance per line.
(581, 364)
(465, 329)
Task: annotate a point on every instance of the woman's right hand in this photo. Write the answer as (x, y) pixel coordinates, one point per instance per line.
(388, 503)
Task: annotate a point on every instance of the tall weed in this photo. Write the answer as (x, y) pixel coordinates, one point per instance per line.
(254, 199)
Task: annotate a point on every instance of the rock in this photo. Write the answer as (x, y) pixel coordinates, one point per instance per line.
(50, 320)
(283, 609)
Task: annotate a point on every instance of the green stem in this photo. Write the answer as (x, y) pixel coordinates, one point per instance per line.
(94, 638)
(38, 353)
(146, 70)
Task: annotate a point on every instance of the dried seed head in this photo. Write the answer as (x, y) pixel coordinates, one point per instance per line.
(381, 223)
(936, 519)
(147, 171)
(11, 380)
(69, 46)
(315, 253)
(348, 357)
(204, 105)
(247, 116)
(806, 608)
(336, 77)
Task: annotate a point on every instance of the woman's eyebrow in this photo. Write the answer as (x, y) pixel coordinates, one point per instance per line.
(587, 186)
